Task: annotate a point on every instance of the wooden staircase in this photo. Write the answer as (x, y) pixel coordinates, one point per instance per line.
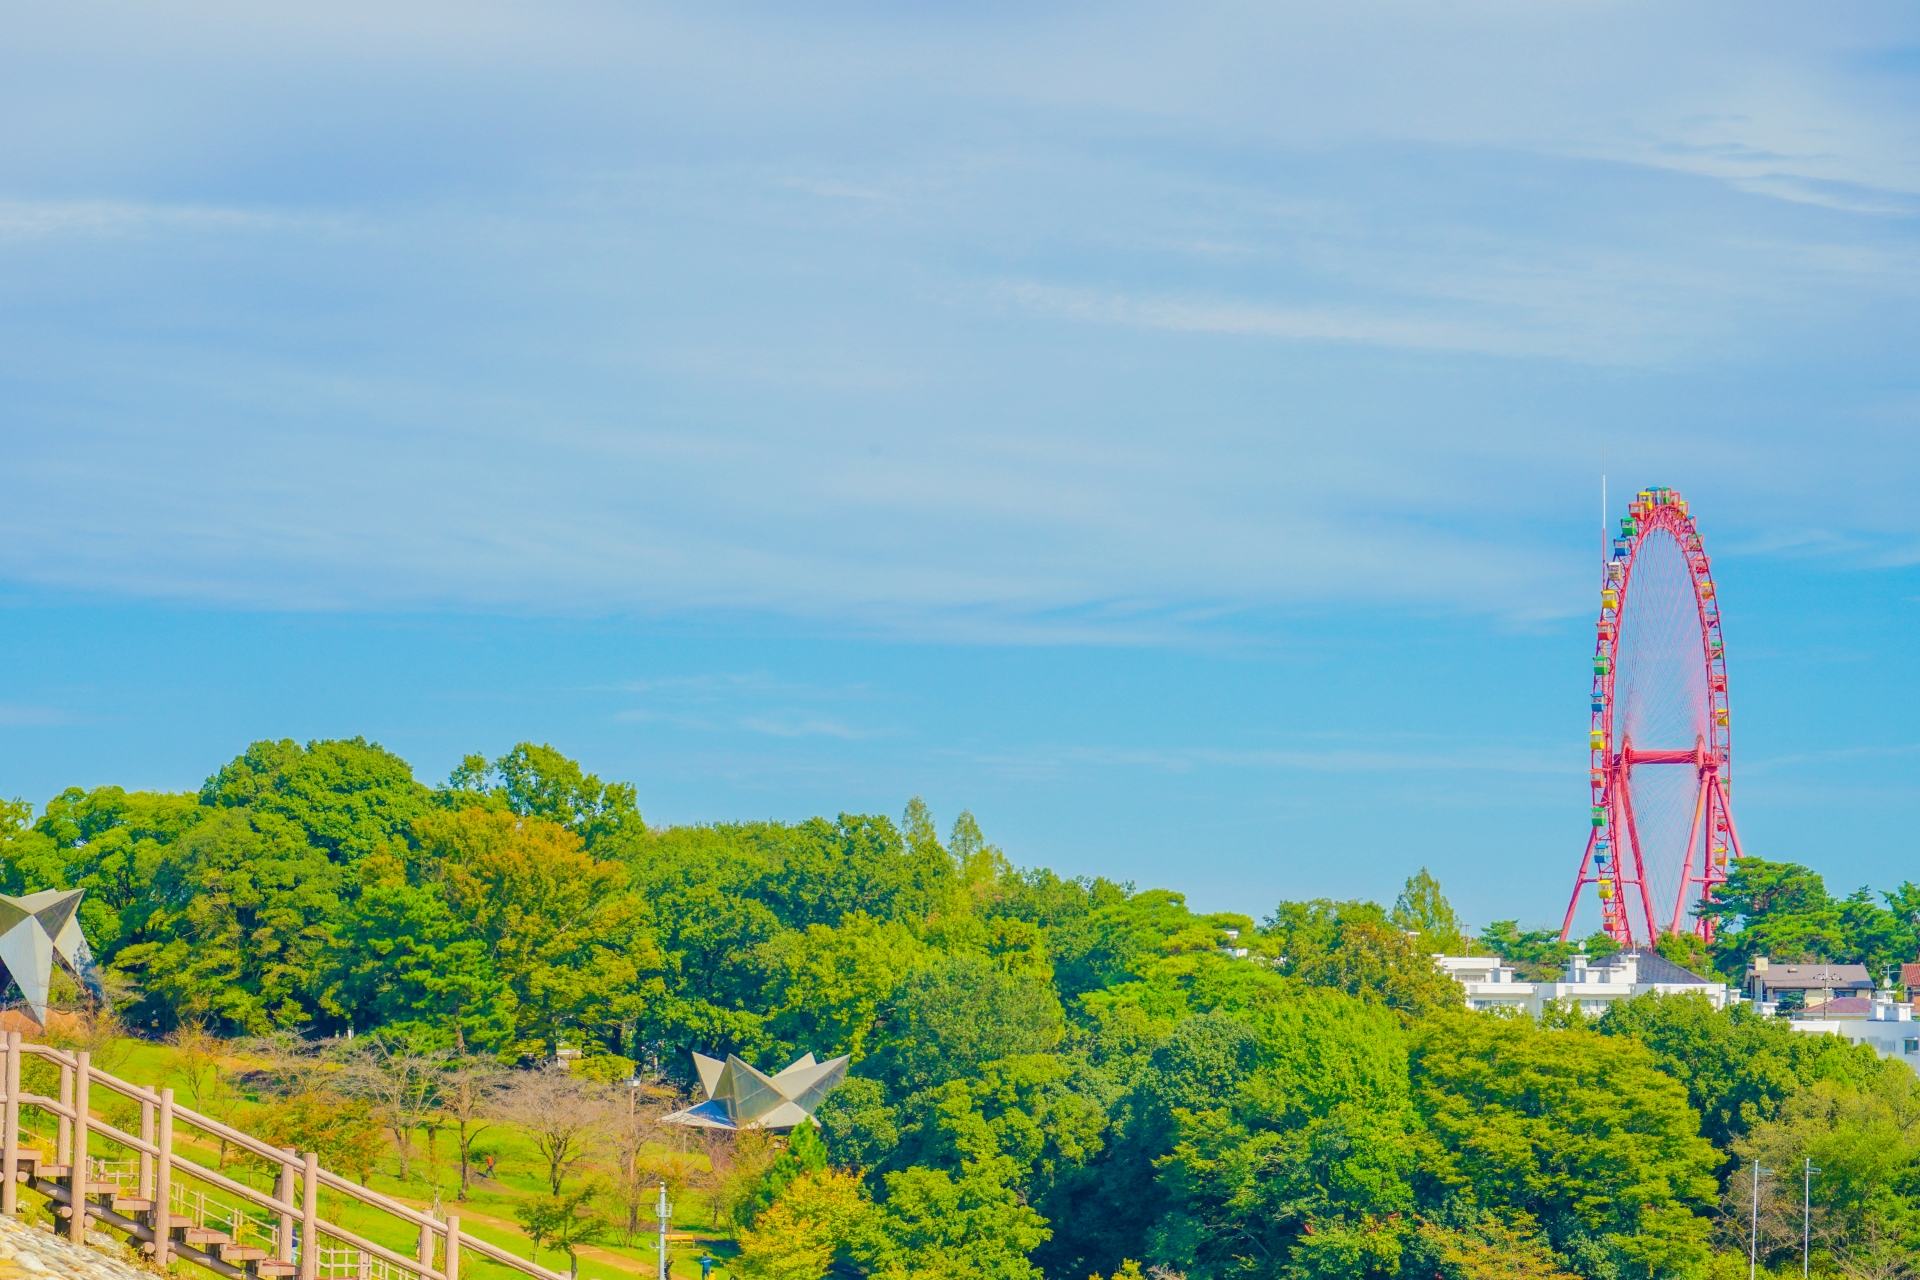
(288, 1220)
(135, 1215)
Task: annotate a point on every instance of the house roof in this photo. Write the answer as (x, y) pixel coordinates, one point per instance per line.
(1655, 967)
(1814, 977)
(1910, 975)
(1840, 1006)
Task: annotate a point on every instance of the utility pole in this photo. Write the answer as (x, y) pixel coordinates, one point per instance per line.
(665, 1212)
(1753, 1239)
(1806, 1219)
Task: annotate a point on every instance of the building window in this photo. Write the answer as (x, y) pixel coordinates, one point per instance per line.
(1910, 1046)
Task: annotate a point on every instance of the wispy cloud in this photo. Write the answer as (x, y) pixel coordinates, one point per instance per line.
(1331, 759)
(1286, 323)
(815, 727)
(15, 715)
(980, 326)
(719, 686)
(28, 219)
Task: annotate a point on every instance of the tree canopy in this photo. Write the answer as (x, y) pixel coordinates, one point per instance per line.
(1052, 1077)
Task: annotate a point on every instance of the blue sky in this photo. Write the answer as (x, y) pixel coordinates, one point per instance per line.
(1171, 431)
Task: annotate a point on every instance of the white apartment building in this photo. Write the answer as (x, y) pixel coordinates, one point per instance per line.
(1590, 985)
(1879, 1021)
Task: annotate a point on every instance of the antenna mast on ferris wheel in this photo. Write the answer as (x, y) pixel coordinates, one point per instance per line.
(1603, 512)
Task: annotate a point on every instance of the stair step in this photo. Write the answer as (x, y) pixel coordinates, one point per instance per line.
(131, 1204)
(29, 1155)
(241, 1253)
(101, 1188)
(53, 1172)
(178, 1220)
(205, 1235)
(276, 1268)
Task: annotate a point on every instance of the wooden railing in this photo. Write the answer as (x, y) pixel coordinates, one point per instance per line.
(82, 1191)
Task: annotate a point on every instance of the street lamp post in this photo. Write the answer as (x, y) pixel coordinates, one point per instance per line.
(1806, 1219)
(665, 1212)
(1753, 1238)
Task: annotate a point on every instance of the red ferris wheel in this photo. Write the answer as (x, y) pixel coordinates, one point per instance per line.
(1662, 826)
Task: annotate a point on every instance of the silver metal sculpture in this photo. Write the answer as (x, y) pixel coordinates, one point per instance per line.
(739, 1097)
(33, 930)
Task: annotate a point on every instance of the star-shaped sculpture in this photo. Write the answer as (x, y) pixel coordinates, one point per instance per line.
(739, 1097)
(33, 930)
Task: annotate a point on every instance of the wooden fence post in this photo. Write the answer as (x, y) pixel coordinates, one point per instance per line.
(452, 1265)
(78, 1176)
(10, 1161)
(146, 1157)
(310, 1219)
(163, 1186)
(284, 1194)
(425, 1251)
(63, 1152)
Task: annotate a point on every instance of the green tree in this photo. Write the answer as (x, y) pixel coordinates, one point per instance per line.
(837, 982)
(825, 871)
(417, 968)
(342, 1131)
(242, 926)
(346, 796)
(961, 1012)
(981, 866)
(565, 943)
(111, 843)
(1295, 1153)
(819, 1215)
(1487, 1247)
(539, 782)
(933, 1223)
(1578, 1130)
(1738, 1068)
(1421, 908)
(861, 1130)
(1864, 1137)
(563, 1222)
(1040, 1111)
(1351, 948)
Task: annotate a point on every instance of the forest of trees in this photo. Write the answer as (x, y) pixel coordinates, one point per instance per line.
(1055, 1077)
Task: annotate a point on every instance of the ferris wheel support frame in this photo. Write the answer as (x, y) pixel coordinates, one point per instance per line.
(1604, 862)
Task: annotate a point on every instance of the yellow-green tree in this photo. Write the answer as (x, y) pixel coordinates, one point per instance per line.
(1421, 908)
(821, 1213)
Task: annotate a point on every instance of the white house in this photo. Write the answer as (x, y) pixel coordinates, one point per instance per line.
(1590, 985)
(1490, 983)
(1879, 1021)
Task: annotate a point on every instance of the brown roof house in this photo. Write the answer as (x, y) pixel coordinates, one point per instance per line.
(1820, 982)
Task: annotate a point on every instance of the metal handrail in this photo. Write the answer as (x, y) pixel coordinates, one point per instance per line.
(158, 1163)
